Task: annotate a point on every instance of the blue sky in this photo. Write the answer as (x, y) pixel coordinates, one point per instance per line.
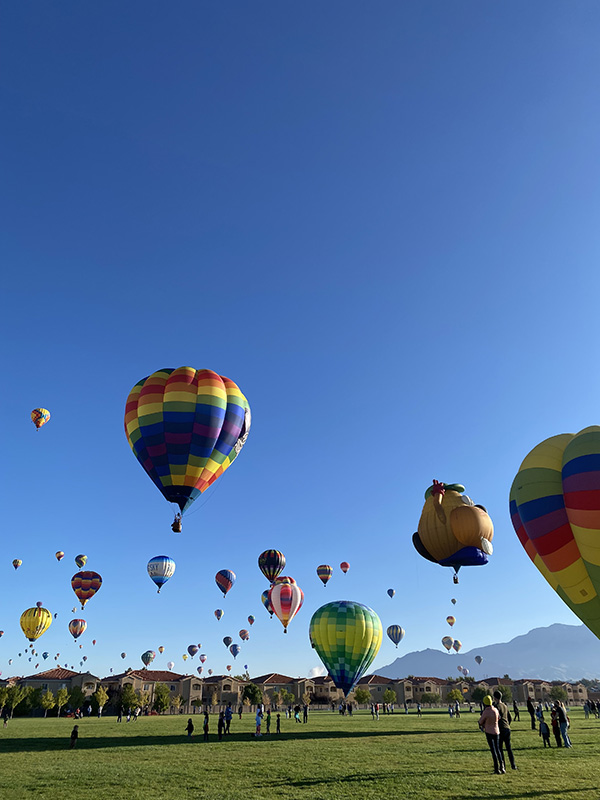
(380, 220)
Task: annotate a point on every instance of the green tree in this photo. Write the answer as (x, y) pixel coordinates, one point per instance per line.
(101, 697)
(478, 693)
(506, 693)
(48, 701)
(362, 696)
(177, 701)
(559, 693)
(3, 696)
(214, 698)
(14, 696)
(306, 699)
(143, 698)
(253, 693)
(287, 698)
(162, 698)
(246, 701)
(429, 698)
(389, 696)
(129, 698)
(454, 696)
(77, 697)
(275, 698)
(196, 703)
(61, 699)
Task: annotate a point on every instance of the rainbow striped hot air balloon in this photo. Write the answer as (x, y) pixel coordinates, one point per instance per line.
(85, 585)
(555, 510)
(219, 613)
(244, 635)
(186, 427)
(286, 600)
(225, 579)
(347, 636)
(271, 563)
(324, 572)
(39, 417)
(77, 627)
(264, 599)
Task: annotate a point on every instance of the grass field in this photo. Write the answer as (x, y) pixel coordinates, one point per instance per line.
(331, 757)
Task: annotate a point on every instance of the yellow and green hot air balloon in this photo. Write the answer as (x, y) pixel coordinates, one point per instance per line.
(39, 417)
(35, 622)
(347, 636)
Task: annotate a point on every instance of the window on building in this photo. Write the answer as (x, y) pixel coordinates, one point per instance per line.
(332, 688)
(379, 688)
(146, 687)
(227, 687)
(196, 687)
(172, 688)
(45, 686)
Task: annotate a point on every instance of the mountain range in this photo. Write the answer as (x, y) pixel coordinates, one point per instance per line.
(557, 652)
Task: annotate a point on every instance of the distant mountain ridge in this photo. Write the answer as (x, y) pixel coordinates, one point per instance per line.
(557, 652)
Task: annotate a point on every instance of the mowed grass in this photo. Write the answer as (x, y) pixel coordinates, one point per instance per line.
(331, 757)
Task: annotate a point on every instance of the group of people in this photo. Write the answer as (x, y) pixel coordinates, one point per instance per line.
(131, 714)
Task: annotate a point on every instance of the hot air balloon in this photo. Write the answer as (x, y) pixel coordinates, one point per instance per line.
(555, 511)
(456, 645)
(192, 650)
(452, 530)
(81, 560)
(244, 635)
(459, 669)
(465, 671)
(210, 672)
(450, 620)
(478, 659)
(284, 579)
(170, 665)
(148, 657)
(235, 650)
(264, 599)
(251, 620)
(391, 592)
(396, 634)
(123, 655)
(59, 555)
(228, 667)
(186, 427)
(17, 563)
(245, 666)
(93, 641)
(77, 627)
(227, 640)
(453, 601)
(344, 566)
(35, 622)
(85, 658)
(199, 646)
(39, 417)
(85, 585)
(286, 600)
(271, 563)
(1, 633)
(225, 579)
(219, 613)
(10, 661)
(202, 658)
(45, 655)
(448, 641)
(324, 572)
(160, 569)
(199, 670)
(161, 650)
(347, 636)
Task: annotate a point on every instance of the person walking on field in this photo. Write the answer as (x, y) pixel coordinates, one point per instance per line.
(74, 737)
(228, 718)
(190, 728)
(205, 726)
(516, 714)
(504, 727)
(531, 710)
(221, 725)
(488, 723)
(278, 727)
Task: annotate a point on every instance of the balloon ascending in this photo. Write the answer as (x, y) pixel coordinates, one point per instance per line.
(148, 657)
(448, 641)
(161, 649)
(228, 667)
(244, 635)
(347, 636)
(202, 658)
(160, 569)
(264, 599)
(185, 656)
(453, 601)
(186, 427)
(77, 627)
(479, 659)
(35, 622)
(123, 655)
(200, 670)
(219, 613)
(271, 564)
(192, 650)
(453, 532)
(450, 620)
(324, 572)
(227, 640)
(456, 645)
(225, 579)
(17, 563)
(396, 634)
(85, 585)
(391, 592)
(344, 566)
(555, 511)
(39, 417)
(251, 620)
(286, 600)
(235, 650)
(45, 655)
(81, 560)
(59, 555)
(170, 665)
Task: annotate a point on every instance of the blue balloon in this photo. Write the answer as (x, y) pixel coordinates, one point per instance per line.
(160, 569)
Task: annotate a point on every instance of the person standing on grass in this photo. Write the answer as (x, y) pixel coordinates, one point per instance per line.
(5, 717)
(555, 727)
(190, 728)
(221, 725)
(563, 722)
(258, 721)
(205, 726)
(488, 723)
(268, 722)
(240, 709)
(504, 727)
(545, 732)
(278, 724)
(419, 714)
(74, 737)
(297, 714)
(305, 712)
(516, 714)
(531, 710)
(228, 717)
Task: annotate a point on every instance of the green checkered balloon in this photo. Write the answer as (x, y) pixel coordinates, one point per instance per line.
(347, 636)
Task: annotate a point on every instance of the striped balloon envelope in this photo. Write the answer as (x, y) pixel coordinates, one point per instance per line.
(555, 511)
(286, 600)
(160, 569)
(264, 599)
(395, 633)
(85, 585)
(225, 579)
(77, 627)
(186, 427)
(35, 622)
(271, 563)
(39, 417)
(324, 572)
(347, 636)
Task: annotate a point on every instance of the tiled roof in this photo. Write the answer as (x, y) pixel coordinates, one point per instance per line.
(273, 677)
(218, 678)
(148, 675)
(320, 680)
(438, 681)
(373, 679)
(56, 674)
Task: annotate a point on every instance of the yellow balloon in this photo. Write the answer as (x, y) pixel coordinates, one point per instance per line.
(35, 622)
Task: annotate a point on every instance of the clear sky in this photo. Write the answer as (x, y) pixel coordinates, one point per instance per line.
(380, 220)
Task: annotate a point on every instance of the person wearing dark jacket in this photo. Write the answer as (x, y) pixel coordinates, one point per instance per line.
(531, 710)
(504, 726)
(516, 714)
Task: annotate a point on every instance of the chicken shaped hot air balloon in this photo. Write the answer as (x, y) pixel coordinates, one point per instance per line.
(186, 427)
(555, 510)
(347, 636)
(160, 569)
(453, 532)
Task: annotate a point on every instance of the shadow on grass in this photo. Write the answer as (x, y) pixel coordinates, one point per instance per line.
(23, 745)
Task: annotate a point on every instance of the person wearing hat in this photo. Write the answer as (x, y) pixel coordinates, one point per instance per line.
(504, 727)
(488, 723)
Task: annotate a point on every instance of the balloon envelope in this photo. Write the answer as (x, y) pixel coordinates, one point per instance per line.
(160, 569)
(456, 645)
(77, 627)
(264, 599)
(448, 641)
(324, 572)
(186, 427)
(59, 555)
(286, 600)
(227, 640)
(244, 635)
(148, 657)
(450, 620)
(39, 417)
(225, 579)
(170, 665)
(235, 650)
(35, 622)
(396, 634)
(219, 613)
(478, 659)
(85, 585)
(344, 566)
(271, 563)
(251, 620)
(81, 560)
(17, 563)
(391, 592)
(192, 650)
(347, 636)
(202, 658)
(161, 650)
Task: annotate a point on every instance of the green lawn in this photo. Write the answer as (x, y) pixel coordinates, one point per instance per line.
(331, 757)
